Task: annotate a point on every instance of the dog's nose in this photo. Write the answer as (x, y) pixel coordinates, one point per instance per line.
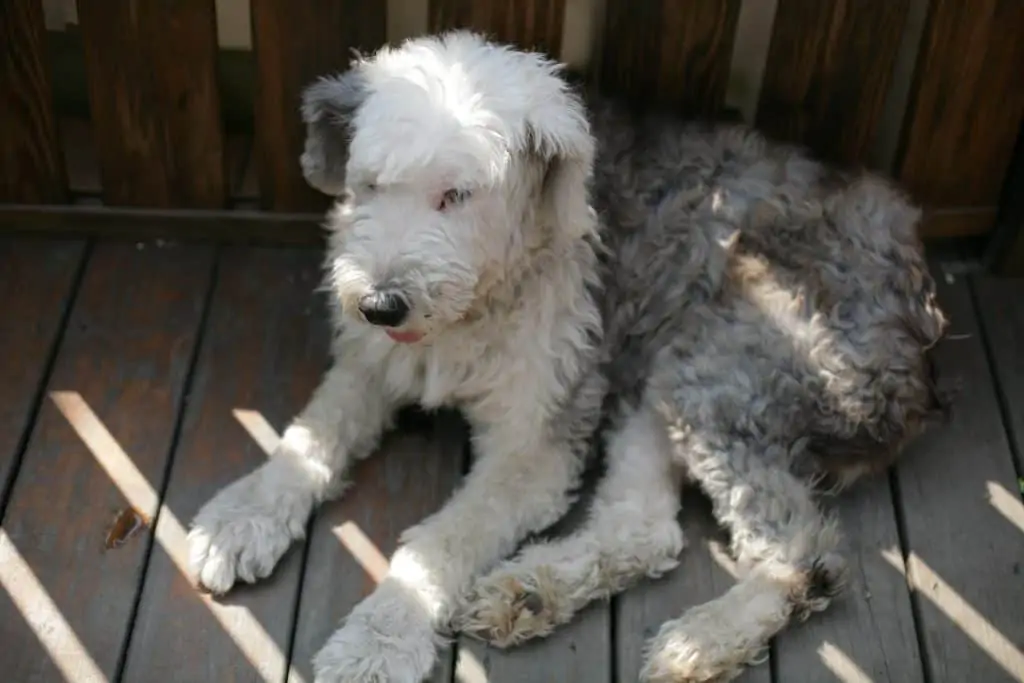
(387, 309)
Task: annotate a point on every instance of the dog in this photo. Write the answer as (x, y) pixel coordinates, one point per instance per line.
(710, 305)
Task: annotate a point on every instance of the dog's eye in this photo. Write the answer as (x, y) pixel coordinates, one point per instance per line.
(452, 197)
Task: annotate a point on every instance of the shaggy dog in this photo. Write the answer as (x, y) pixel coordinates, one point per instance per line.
(715, 306)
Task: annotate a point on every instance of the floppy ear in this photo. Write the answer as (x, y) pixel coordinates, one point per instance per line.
(327, 109)
(559, 133)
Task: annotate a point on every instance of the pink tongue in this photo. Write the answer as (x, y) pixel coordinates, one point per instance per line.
(405, 337)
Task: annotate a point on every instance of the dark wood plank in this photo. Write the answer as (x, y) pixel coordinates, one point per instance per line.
(98, 449)
(1001, 307)
(151, 72)
(828, 72)
(262, 355)
(37, 282)
(705, 572)
(868, 633)
(530, 24)
(193, 225)
(675, 52)
(294, 43)
(411, 476)
(966, 105)
(31, 163)
(964, 522)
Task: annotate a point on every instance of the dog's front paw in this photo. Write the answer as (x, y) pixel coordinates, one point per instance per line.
(243, 531)
(392, 651)
(508, 607)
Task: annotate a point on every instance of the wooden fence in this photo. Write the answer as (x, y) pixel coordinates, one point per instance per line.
(929, 91)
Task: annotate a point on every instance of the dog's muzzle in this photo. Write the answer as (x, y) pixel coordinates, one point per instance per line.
(384, 308)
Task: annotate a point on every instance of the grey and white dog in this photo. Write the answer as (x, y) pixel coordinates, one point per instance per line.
(715, 306)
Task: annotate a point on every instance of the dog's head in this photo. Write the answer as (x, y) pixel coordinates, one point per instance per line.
(453, 159)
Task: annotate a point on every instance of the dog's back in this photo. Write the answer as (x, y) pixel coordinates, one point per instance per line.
(802, 285)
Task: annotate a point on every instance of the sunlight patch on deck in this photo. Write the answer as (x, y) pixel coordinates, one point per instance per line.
(43, 616)
(975, 626)
(368, 555)
(844, 668)
(1006, 504)
(258, 428)
(238, 622)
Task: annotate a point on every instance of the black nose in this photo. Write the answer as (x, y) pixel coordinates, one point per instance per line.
(387, 309)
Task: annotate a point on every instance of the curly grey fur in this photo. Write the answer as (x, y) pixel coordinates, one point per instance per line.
(777, 313)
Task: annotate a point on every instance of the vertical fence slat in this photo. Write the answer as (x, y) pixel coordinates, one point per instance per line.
(152, 78)
(296, 41)
(675, 52)
(965, 109)
(531, 24)
(31, 164)
(828, 73)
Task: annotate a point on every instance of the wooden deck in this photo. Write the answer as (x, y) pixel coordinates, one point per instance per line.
(137, 379)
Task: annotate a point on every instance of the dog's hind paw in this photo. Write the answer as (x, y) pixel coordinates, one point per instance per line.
(506, 608)
(713, 642)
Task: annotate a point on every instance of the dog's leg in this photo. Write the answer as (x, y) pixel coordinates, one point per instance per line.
(782, 542)
(243, 531)
(519, 484)
(631, 532)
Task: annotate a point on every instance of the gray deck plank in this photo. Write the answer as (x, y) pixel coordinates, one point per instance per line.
(38, 278)
(964, 522)
(1001, 308)
(704, 573)
(98, 452)
(868, 633)
(263, 352)
(411, 475)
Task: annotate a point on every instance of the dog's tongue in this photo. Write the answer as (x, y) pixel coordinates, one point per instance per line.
(405, 337)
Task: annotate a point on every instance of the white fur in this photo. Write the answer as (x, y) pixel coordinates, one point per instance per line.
(499, 306)
(631, 532)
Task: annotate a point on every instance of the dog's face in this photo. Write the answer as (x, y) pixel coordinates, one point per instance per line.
(452, 159)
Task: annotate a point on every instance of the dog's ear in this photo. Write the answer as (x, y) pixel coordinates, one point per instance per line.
(559, 132)
(327, 109)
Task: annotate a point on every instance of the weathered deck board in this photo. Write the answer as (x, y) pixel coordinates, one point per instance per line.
(999, 302)
(31, 163)
(38, 277)
(964, 522)
(154, 100)
(98, 447)
(828, 71)
(411, 476)
(704, 573)
(870, 628)
(262, 355)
